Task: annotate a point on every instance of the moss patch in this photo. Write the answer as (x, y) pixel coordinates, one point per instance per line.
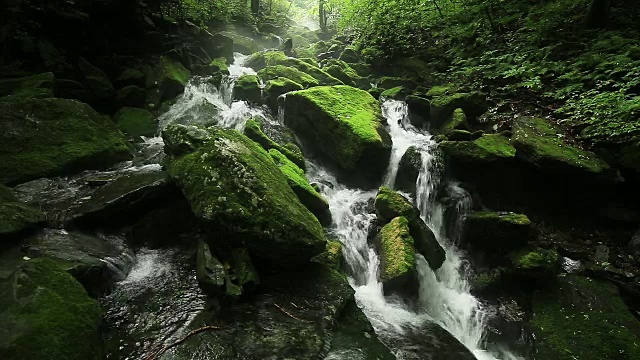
(253, 130)
(390, 204)
(47, 314)
(396, 249)
(332, 255)
(280, 71)
(582, 318)
(457, 121)
(488, 148)
(51, 137)
(35, 86)
(136, 121)
(540, 143)
(397, 93)
(247, 88)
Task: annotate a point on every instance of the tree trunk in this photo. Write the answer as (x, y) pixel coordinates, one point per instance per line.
(598, 15)
(255, 6)
(322, 15)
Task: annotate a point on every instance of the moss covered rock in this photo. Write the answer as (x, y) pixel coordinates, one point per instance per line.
(295, 75)
(445, 100)
(496, 231)
(247, 88)
(46, 314)
(172, 77)
(332, 255)
(233, 184)
(535, 265)
(136, 121)
(16, 218)
(388, 82)
(390, 204)
(254, 130)
(242, 44)
(486, 149)
(582, 318)
(277, 87)
(419, 110)
(343, 124)
(308, 196)
(457, 121)
(320, 75)
(540, 144)
(51, 137)
(397, 255)
(345, 73)
(35, 86)
(395, 93)
(408, 170)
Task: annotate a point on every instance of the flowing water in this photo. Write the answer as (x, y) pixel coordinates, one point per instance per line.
(444, 296)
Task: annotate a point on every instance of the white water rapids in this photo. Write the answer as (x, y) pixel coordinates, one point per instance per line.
(444, 296)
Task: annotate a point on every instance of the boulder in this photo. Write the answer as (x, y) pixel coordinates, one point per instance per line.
(254, 130)
(409, 170)
(172, 77)
(16, 217)
(136, 122)
(210, 272)
(388, 82)
(538, 266)
(496, 232)
(247, 88)
(277, 87)
(96, 261)
(419, 110)
(218, 45)
(235, 188)
(332, 255)
(488, 149)
(51, 137)
(28, 87)
(397, 257)
(46, 314)
(343, 72)
(540, 144)
(582, 318)
(457, 121)
(389, 204)
(274, 58)
(344, 125)
(242, 44)
(395, 93)
(295, 75)
(349, 55)
(129, 77)
(131, 95)
(298, 182)
(445, 100)
(98, 82)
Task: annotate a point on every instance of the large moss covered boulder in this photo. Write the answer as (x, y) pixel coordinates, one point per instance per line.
(308, 196)
(343, 124)
(445, 99)
(540, 144)
(397, 255)
(16, 218)
(136, 121)
(277, 87)
(234, 187)
(390, 204)
(486, 149)
(46, 314)
(247, 88)
(496, 231)
(172, 77)
(242, 44)
(293, 74)
(34, 86)
(586, 319)
(254, 130)
(51, 137)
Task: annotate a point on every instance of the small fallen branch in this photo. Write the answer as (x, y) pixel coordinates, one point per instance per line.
(159, 353)
(289, 314)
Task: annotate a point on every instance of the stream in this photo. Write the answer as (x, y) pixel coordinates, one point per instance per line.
(170, 292)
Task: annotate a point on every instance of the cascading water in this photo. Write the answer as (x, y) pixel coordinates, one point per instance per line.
(444, 294)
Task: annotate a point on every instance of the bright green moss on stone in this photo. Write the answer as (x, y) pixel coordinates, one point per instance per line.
(233, 183)
(332, 255)
(539, 258)
(442, 90)
(499, 217)
(586, 319)
(253, 130)
(486, 149)
(136, 121)
(396, 249)
(390, 204)
(220, 64)
(540, 143)
(280, 71)
(171, 69)
(298, 182)
(46, 314)
(343, 122)
(52, 137)
(497, 232)
(397, 93)
(457, 121)
(320, 75)
(247, 88)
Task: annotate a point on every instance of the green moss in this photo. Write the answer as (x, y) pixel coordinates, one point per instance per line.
(171, 69)
(396, 249)
(61, 137)
(540, 143)
(321, 76)
(253, 130)
(390, 204)
(488, 148)
(586, 319)
(17, 218)
(247, 88)
(398, 93)
(220, 64)
(233, 183)
(458, 121)
(388, 82)
(310, 61)
(35, 86)
(537, 259)
(280, 71)
(277, 87)
(298, 182)
(332, 255)
(342, 121)
(442, 90)
(500, 217)
(47, 314)
(136, 121)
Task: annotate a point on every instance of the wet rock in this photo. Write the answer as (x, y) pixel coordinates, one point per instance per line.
(419, 110)
(496, 232)
(533, 268)
(634, 245)
(46, 313)
(171, 78)
(51, 137)
(583, 318)
(235, 188)
(284, 142)
(136, 122)
(298, 182)
(332, 255)
(343, 124)
(484, 150)
(218, 45)
(396, 93)
(408, 170)
(210, 272)
(247, 88)
(96, 261)
(389, 82)
(457, 121)
(242, 44)
(292, 318)
(389, 204)
(429, 341)
(16, 217)
(602, 254)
